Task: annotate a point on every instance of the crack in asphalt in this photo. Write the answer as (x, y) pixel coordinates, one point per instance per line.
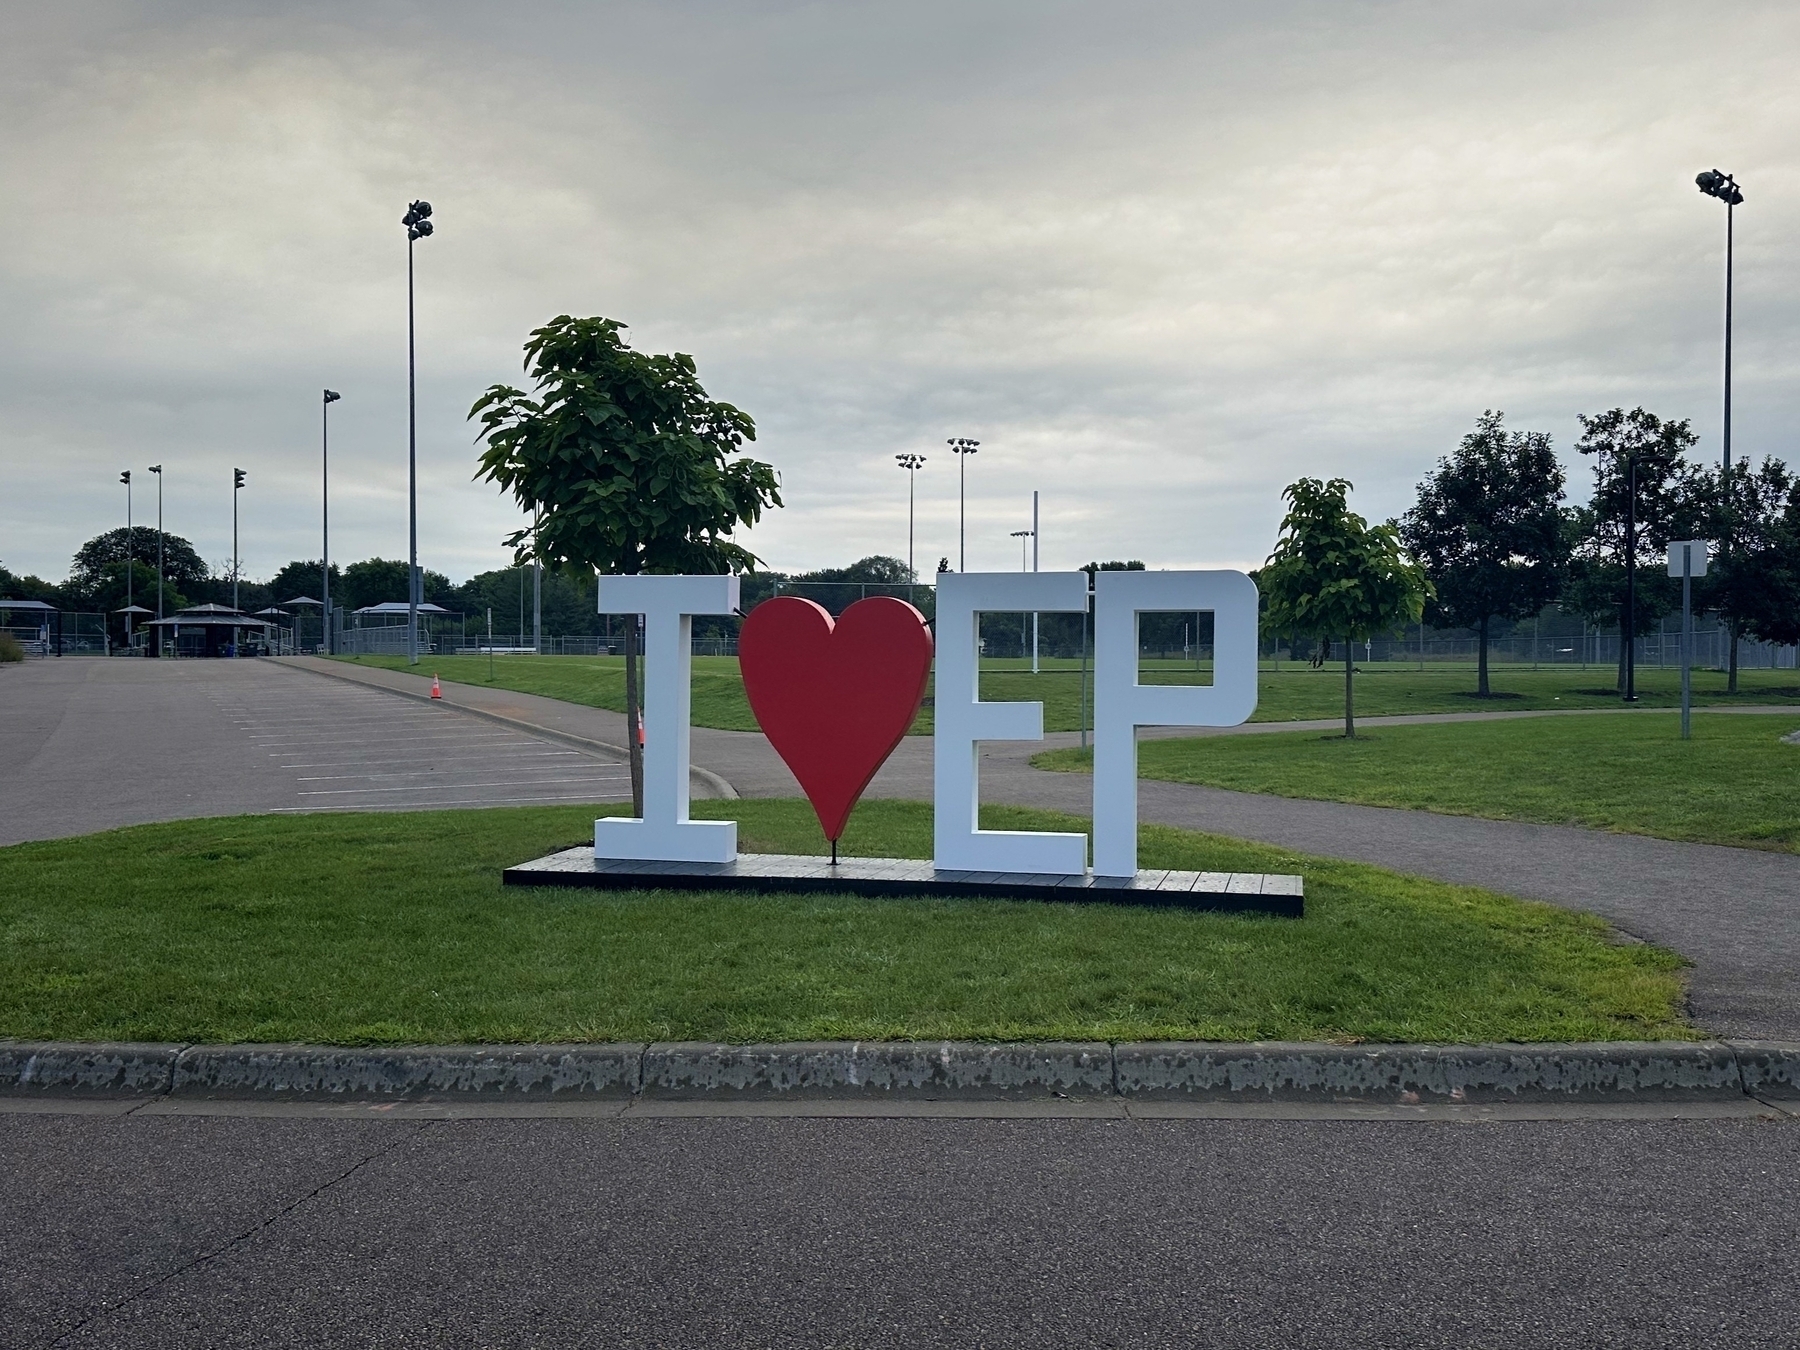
(232, 1244)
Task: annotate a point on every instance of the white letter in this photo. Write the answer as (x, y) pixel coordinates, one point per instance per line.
(1122, 705)
(962, 719)
(665, 834)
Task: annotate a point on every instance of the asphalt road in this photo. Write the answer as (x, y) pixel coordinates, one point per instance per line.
(223, 1232)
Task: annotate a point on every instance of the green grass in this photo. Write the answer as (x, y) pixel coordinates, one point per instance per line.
(1735, 782)
(393, 928)
(1291, 694)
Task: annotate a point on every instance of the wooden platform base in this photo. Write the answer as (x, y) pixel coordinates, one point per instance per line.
(768, 873)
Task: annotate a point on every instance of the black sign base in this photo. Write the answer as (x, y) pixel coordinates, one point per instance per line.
(768, 873)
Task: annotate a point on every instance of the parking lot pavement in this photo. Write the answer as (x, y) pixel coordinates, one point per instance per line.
(94, 744)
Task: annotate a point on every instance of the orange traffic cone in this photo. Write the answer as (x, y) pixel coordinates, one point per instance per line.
(640, 722)
(436, 690)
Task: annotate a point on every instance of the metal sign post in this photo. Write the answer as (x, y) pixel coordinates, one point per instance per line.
(1687, 560)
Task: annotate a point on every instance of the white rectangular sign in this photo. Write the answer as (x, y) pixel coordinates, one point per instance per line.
(1696, 559)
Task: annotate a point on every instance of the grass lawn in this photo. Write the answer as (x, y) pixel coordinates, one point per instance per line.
(393, 928)
(1735, 782)
(1290, 694)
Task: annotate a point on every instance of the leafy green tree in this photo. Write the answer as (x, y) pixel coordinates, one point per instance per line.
(302, 577)
(183, 568)
(1608, 533)
(1488, 530)
(380, 581)
(625, 465)
(1333, 575)
(1755, 584)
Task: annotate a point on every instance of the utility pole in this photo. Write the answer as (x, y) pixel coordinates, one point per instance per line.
(130, 560)
(157, 470)
(1630, 635)
(912, 464)
(537, 587)
(1724, 187)
(330, 397)
(962, 447)
(1034, 567)
(237, 484)
(418, 225)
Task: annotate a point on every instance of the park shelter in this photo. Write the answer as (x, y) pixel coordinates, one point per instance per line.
(132, 614)
(208, 630)
(43, 619)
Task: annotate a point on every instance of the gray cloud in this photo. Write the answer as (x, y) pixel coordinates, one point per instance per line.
(1160, 259)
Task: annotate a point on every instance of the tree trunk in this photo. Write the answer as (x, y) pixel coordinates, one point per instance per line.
(633, 716)
(1481, 676)
(1731, 637)
(1349, 690)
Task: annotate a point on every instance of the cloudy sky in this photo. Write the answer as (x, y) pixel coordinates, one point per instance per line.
(1160, 259)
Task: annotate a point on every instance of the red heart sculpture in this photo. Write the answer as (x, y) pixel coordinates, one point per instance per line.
(834, 699)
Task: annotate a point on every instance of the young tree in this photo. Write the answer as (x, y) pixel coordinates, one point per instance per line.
(1334, 575)
(1487, 528)
(627, 466)
(1755, 584)
(1643, 492)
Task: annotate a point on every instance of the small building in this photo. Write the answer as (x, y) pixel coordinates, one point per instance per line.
(211, 630)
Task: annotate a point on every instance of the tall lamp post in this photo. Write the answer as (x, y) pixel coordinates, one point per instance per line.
(130, 560)
(912, 464)
(418, 225)
(1034, 567)
(1725, 188)
(157, 470)
(330, 397)
(1630, 636)
(1024, 566)
(962, 447)
(237, 486)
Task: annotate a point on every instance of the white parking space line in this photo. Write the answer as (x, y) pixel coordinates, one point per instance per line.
(379, 752)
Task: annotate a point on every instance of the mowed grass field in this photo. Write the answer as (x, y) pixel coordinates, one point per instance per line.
(1292, 693)
(394, 928)
(1736, 782)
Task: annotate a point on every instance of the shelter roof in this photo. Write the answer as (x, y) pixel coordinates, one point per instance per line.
(400, 607)
(303, 600)
(27, 604)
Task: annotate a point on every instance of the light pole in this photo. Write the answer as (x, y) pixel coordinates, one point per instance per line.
(418, 225)
(537, 586)
(1630, 636)
(1024, 566)
(330, 397)
(912, 464)
(1034, 567)
(157, 470)
(1725, 188)
(962, 447)
(130, 561)
(237, 485)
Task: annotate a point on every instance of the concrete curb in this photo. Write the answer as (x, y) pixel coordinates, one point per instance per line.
(86, 1069)
(316, 1072)
(1630, 1071)
(711, 782)
(837, 1069)
(1193, 1071)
